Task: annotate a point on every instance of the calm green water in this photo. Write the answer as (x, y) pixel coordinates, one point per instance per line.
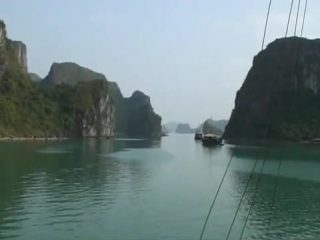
(161, 190)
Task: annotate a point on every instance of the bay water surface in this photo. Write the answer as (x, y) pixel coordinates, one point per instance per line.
(135, 189)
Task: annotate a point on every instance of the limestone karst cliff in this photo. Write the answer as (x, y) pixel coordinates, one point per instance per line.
(280, 97)
(20, 50)
(134, 116)
(142, 121)
(71, 101)
(81, 110)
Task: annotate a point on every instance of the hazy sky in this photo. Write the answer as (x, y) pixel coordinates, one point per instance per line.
(190, 57)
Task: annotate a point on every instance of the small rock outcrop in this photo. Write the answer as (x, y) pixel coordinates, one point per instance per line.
(280, 97)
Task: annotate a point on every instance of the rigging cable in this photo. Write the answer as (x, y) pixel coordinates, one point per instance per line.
(266, 25)
(257, 159)
(254, 193)
(279, 167)
(280, 163)
(290, 12)
(243, 194)
(215, 197)
(304, 17)
(225, 173)
(255, 164)
(298, 10)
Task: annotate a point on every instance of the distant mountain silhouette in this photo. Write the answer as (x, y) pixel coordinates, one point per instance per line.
(184, 128)
(171, 126)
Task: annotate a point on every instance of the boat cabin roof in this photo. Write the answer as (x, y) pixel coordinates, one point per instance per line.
(211, 135)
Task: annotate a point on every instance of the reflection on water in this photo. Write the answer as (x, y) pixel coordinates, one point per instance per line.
(58, 184)
(123, 189)
(295, 212)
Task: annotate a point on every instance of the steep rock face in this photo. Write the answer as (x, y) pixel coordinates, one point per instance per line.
(94, 122)
(280, 98)
(70, 73)
(21, 53)
(99, 121)
(3, 33)
(84, 109)
(142, 121)
(126, 110)
(120, 106)
(14, 52)
(24, 111)
(87, 109)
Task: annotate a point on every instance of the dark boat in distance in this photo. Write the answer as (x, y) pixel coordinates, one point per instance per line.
(198, 136)
(211, 140)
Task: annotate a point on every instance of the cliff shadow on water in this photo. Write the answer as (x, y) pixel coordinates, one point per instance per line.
(293, 204)
(274, 150)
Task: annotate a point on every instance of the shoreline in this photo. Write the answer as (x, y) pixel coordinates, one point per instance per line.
(16, 139)
(43, 139)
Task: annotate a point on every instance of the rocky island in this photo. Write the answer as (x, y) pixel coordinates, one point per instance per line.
(133, 116)
(184, 128)
(71, 101)
(280, 97)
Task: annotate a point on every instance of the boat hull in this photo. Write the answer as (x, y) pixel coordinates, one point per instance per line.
(211, 141)
(198, 136)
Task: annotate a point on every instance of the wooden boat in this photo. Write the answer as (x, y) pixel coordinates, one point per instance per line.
(211, 140)
(198, 136)
(164, 134)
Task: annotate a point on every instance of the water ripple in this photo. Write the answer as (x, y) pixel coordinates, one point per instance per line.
(153, 193)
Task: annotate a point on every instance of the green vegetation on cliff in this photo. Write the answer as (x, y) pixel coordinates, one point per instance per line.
(28, 110)
(134, 116)
(71, 101)
(24, 110)
(80, 105)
